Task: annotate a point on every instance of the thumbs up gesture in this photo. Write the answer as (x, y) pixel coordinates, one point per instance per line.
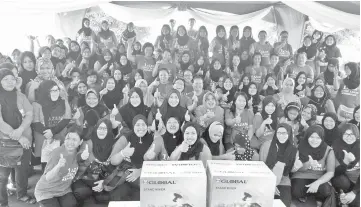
(250, 102)
(312, 162)
(62, 161)
(349, 157)
(184, 147)
(158, 116)
(225, 96)
(85, 154)
(104, 91)
(76, 115)
(195, 98)
(298, 164)
(187, 117)
(115, 110)
(125, 89)
(128, 151)
(157, 93)
(150, 155)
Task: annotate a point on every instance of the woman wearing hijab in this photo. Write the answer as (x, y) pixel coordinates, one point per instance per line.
(136, 75)
(52, 114)
(348, 92)
(265, 123)
(254, 99)
(86, 61)
(209, 111)
(183, 42)
(212, 138)
(165, 39)
(316, 167)
(238, 119)
(320, 100)
(77, 96)
(347, 172)
(54, 186)
(201, 65)
(202, 42)
(185, 63)
(330, 126)
(329, 45)
(105, 64)
(171, 107)
(74, 51)
(85, 34)
(134, 107)
(97, 167)
(136, 148)
(106, 38)
(27, 70)
(247, 38)
(215, 72)
(16, 117)
(356, 117)
(112, 94)
(279, 154)
(125, 66)
(219, 47)
(330, 76)
(286, 96)
(191, 148)
(45, 71)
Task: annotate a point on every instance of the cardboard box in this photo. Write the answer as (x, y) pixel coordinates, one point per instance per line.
(173, 184)
(124, 204)
(240, 183)
(278, 203)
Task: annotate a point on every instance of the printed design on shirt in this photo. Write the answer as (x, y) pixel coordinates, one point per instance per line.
(148, 67)
(319, 167)
(284, 53)
(54, 120)
(181, 49)
(71, 174)
(243, 127)
(350, 92)
(356, 167)
(264, 53)
(268, 131)
(256, 78)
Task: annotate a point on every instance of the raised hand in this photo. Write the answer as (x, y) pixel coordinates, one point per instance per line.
(115, 110)
(349, 156)
(62, 161)
(128, 151)
(158, 116)
(313, 162)
(76, 115)
(85, 154)
(150, 155)
(187, 117)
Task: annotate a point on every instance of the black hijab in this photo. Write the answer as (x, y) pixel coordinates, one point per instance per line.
(213, 146)
(105, 34)
(73, 55)
(331, 134)
(168, 111)
(310, 51)
(318, 102)
(102, 148)
(184, 66)
(265, 115)
(215, 74)
(93, 114)
(87, 31)
(339, 145)
(125, 69)
(282, 152)
(305, 149)
(114, 96)
(8, 101)
(182, 40)
(196, 148)
(171, 141)
(128, 111)
(329, 76)
(353, 121)
(353, 80)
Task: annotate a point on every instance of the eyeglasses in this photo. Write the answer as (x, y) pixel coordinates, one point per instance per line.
(348, 135)
(102, 129)
(54, 91)
(282, 133)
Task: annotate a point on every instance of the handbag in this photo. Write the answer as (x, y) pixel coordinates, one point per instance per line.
(10, 151)
(118, 176)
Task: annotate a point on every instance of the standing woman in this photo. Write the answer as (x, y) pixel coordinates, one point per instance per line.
(183, 42)
(202, 42)
(52, 114)
(282, 48)
(27, 70)
(348, 95)
(192, 147)
(256, 70)
(106, 38)
(86, 34)
(263, 47)
(234, 44)
(317, 168)
(279, 154)
(347, 172)
(311, 52)
(219, 47)
(247, 38)
(165, 40)
(332, 51)
(125, 67)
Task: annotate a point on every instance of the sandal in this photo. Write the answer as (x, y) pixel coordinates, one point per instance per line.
(27, 199)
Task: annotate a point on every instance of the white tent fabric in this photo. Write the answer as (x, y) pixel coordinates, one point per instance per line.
(226, 19)
(323, 26)
(323, 13)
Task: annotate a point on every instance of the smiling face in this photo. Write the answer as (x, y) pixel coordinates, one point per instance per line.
(28, 64)
(292, 114)
(210, 101)
(185, 58)
(102, 131)
(179, 85)
(86, 53)
(190, 135)
(357, 115)
(203, 32)
(198, 84)
(45, 70)
(270, 108)
(148, 51)
(140, 128)
(92, 100)
(91, 79)
(247, 33)
(307, 42)
(216, 133)
(181, 31)
(319, 92)
(82, 88)
(56, 52)
(302, 58)
(173, 100)
(329, 123)
(8, 83)
(257, 59)
(262, 36)
(274, 59)
(217, 65)
(288, 86)
(307, 113)
(245, 80)
(236, 60)
(349, 137)
(252, 90)
(316, 36)
(282, 135)
(172, 125)
(271, 81)
(137, 46)
(54, 93)
(330, 41)
(228, 84)
(105, 26)
(137, 76)
(188, 76)
(221, 33)
(241, 102)
(301, 79)
(74, 47)
(163, 76)
(72, 141)
(110, 84)
(117, 75)
(135, 99)
(234, 32)
(314, 140)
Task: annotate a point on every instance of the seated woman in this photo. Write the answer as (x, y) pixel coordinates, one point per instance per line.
(185, 101)
(77, 95)
(111, 95)
(265, 123)
(238, 119)
(228, 91)
(54, 186)
(317, 169)
(212, 138)
(52, 114)
(209, 111)
(171, 133)
(286, 96)
(139, 146)
(356, 117)
(301, 85)
(269, 87)
(191, 148)
(89, 180)
(320, 99)
(147, 92)
(347, 172)
(330, 125)
(279, 154)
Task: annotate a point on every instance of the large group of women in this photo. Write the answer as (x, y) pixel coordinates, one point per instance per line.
(91, 110)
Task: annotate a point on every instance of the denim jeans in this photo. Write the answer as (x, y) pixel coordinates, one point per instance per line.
(21, 178)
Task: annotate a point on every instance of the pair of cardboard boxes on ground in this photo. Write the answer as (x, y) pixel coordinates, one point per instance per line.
(223, 184)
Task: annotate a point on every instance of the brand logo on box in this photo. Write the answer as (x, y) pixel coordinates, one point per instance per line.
(218, 180)
(159, 182)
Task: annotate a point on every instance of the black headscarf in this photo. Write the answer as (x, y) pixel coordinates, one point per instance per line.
(353, 80)
(140, 144)
(73, 55)
(265, 101)
(196, 148)
(329, 76)
(184, 66)
(168, 111)
(93, 114)
(102, 148)
(49, 107)
(8, 101)
(282, 152)
(182, 40)
(125, 69)
(353, 121)
(128, 111)
(171, 141)
(310, 51)
(318, 102)
(297, 84)
(245, 87)
(213, 146)
(305, 149)
(215, 74)
(339, 145)
(114, 96)
(331, 134)
(105, 34)
(87, 31)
